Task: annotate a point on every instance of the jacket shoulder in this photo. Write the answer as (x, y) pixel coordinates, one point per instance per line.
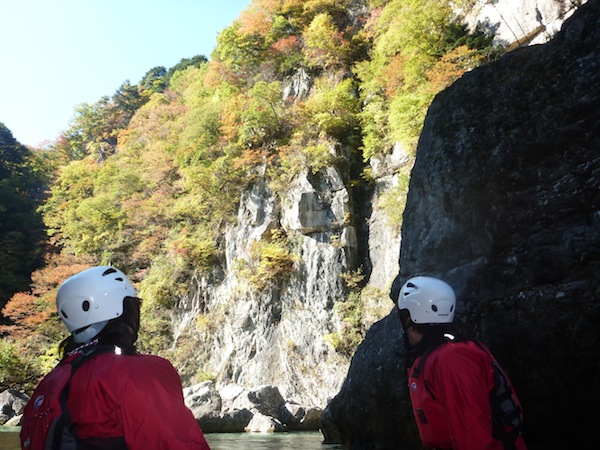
(451, 354)
(135, 363)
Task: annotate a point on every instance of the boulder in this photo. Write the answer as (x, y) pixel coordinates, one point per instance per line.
(235, 409)
(14, 421)
(12, 403)
(300, 418)
(329, 429)
(266, 400)
(230, 393)
(202, 399)
(264, 424)
(230, 421)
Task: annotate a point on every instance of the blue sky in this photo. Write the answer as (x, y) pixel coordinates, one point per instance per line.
(57, 54)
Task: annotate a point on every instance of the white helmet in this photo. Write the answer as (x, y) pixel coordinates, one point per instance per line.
(428, 300)
(90, 299)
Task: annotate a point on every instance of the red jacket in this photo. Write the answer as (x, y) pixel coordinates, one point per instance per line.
(451, 398)
(137, 399)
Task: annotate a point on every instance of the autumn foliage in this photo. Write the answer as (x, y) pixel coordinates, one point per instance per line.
(149, 179)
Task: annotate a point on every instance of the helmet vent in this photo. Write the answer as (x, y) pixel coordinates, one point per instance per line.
(85, 305)
(108, 271)
(434, 308)
(64, 314)
(452, 308)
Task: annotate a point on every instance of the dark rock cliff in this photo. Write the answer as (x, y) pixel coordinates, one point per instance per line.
(504, 203)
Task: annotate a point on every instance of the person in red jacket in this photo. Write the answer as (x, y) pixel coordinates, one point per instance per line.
(109, 395)
(460, 396)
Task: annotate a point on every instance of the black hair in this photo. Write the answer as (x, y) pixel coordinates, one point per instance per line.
(434, 334)
(120, 332)
(424, 328)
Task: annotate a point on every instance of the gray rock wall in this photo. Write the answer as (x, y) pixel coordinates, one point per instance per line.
(504, 203)
(516, 23)
(383, 236)
(277, 336)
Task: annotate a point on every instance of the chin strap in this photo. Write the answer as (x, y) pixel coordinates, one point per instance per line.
(89, 332)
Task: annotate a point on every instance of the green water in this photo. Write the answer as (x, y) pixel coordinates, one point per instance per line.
(9, 440)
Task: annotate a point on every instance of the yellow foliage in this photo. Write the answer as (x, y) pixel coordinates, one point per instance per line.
(257, 18)
(451, 66)
(324, 45)
(271, 260)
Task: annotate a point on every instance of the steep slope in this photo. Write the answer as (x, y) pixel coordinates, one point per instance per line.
(504, 203)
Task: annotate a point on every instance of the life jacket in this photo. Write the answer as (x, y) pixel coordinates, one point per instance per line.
(507, 415)
(46, 423)
(506, 410)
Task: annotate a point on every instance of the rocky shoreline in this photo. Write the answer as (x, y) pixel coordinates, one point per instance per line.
(234, 409)
(230, 409)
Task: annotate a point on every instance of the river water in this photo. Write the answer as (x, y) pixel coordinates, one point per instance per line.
(9, 440)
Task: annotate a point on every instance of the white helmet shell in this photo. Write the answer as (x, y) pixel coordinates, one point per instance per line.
(428, 300)
(93, 296)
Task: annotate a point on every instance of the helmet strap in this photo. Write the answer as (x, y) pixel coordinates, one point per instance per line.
(88, 333)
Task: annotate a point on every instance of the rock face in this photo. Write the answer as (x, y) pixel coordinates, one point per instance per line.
(518, 23)
(276, 336)
(504, 203)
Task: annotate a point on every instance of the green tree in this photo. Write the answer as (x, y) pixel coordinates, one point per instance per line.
(21, 227)
(95, 128)
(262, 119)
(240, 52)
(324, 44)
(89, 209)
(15, 372)
(154, 80)
(332, 109)
(195, 61)
(409, 39)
